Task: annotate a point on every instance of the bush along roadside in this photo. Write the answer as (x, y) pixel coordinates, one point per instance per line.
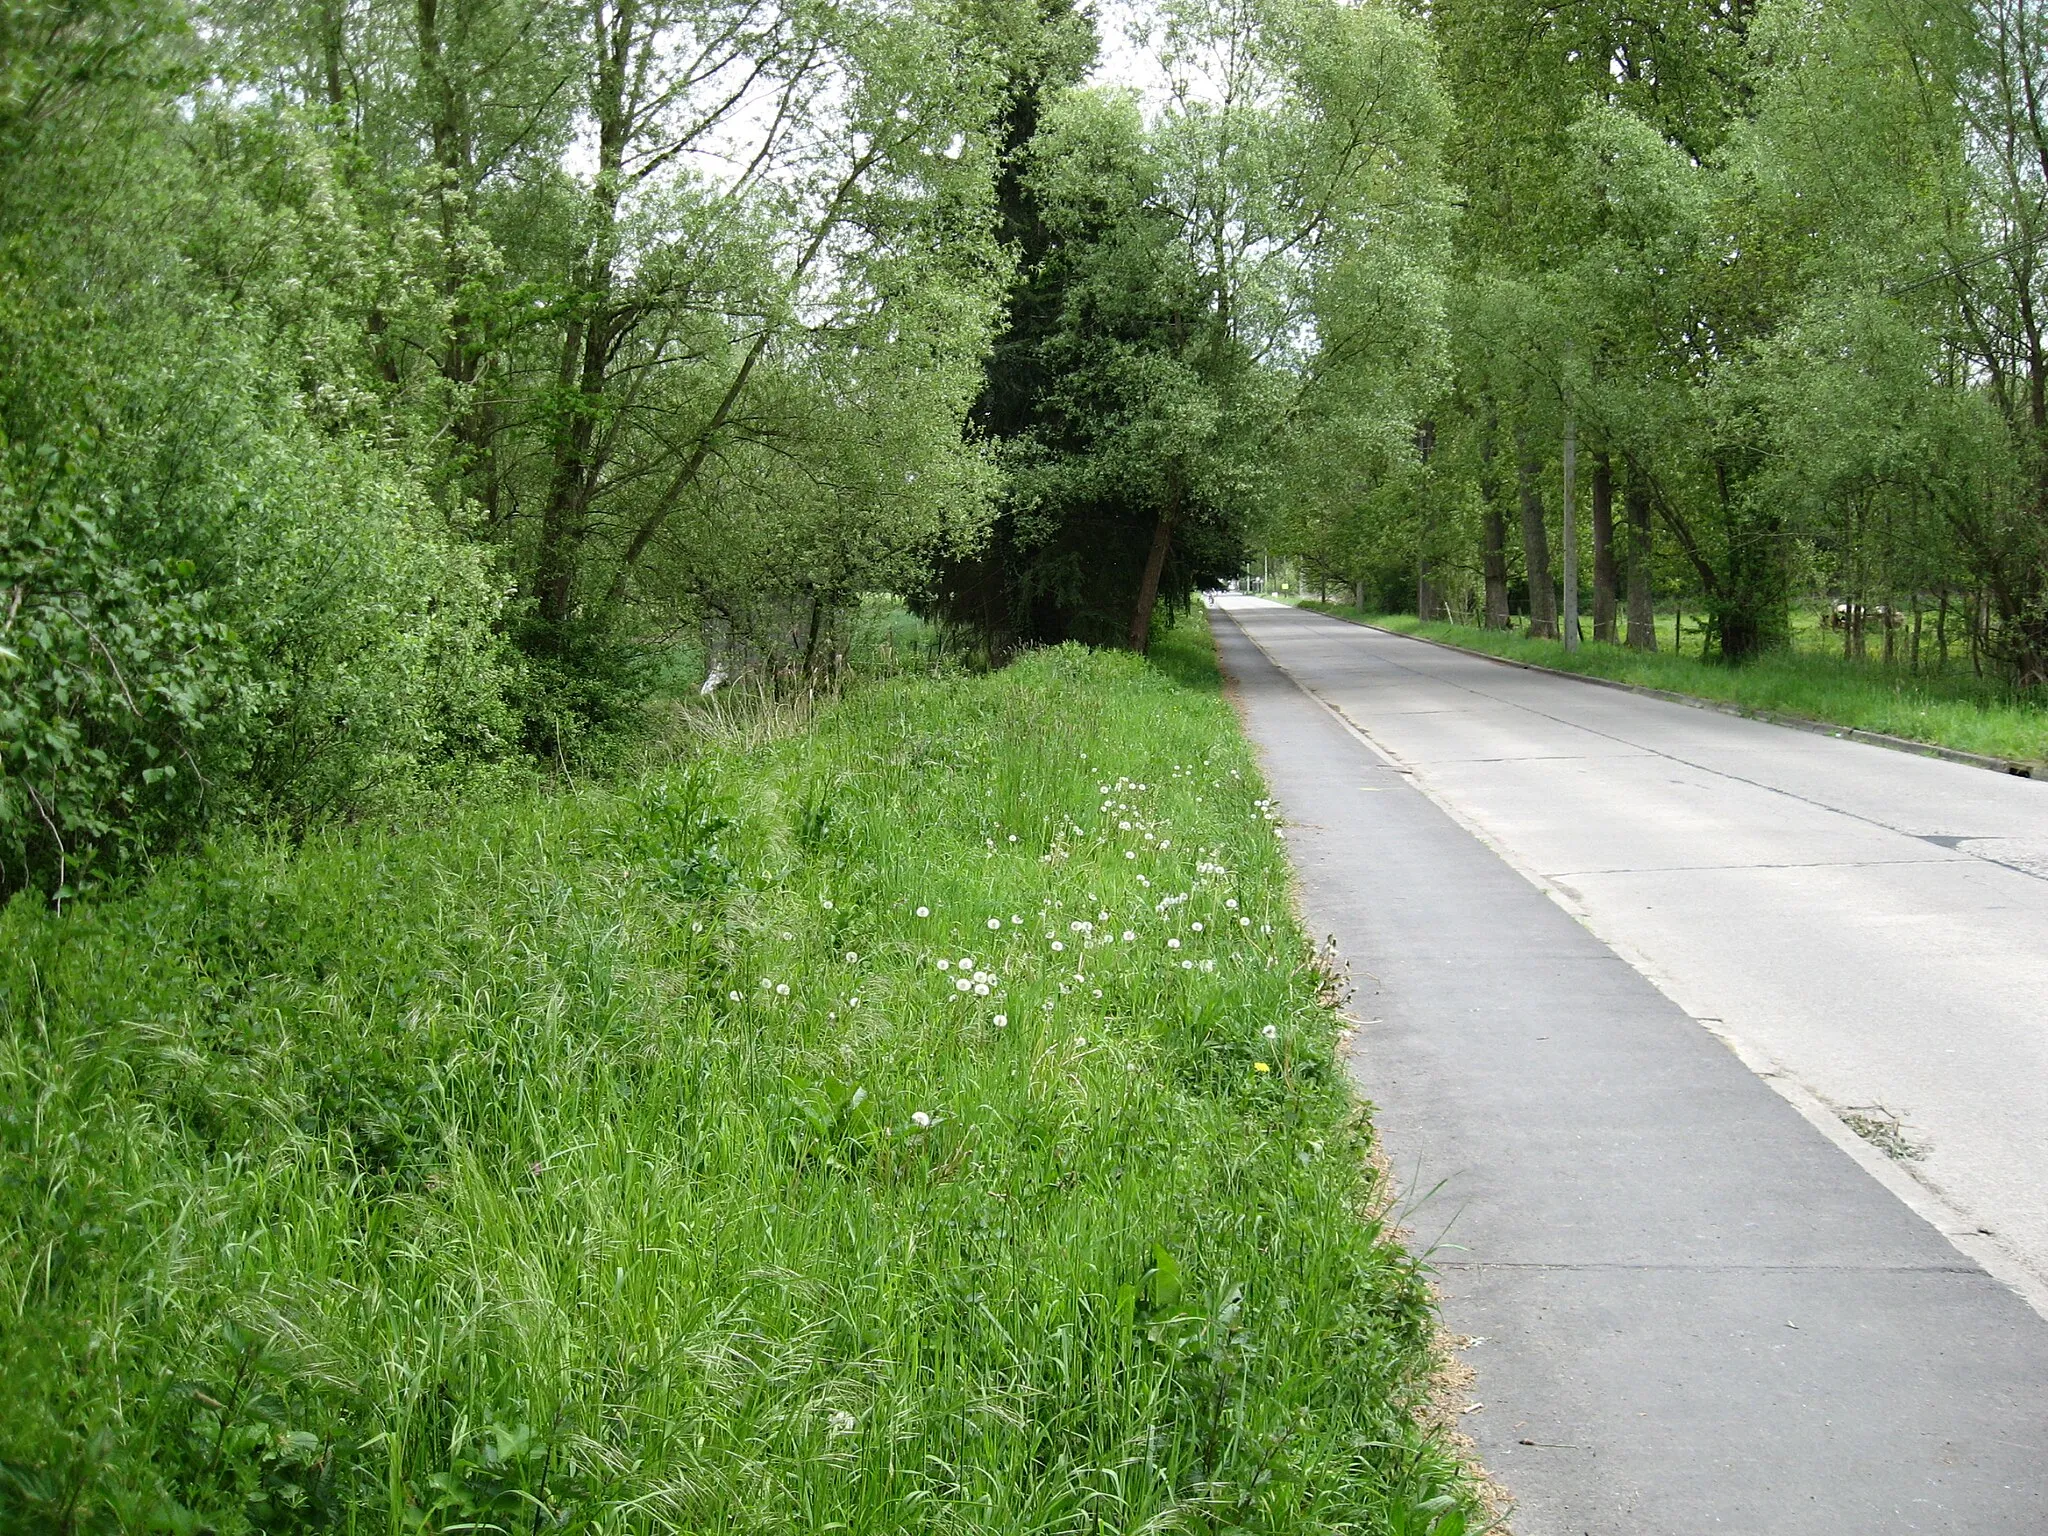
(929, 1122)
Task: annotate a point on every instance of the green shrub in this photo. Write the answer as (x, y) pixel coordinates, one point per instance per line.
(209, 606)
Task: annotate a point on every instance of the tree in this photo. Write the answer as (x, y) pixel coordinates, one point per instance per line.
(1217, 287)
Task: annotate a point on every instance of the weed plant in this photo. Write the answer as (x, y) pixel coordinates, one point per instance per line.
(926, 1121)
(1948, 710)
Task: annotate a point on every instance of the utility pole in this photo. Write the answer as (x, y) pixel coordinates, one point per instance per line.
(1571, 532)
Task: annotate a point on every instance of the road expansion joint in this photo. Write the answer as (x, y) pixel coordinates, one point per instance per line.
(2012, 767)
(1623, 741)
(1696, 869)
(1957, 1227)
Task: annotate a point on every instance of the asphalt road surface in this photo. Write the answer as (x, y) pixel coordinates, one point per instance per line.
(1649, 996)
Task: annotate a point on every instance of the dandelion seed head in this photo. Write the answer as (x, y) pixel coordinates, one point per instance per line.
(1173, 943)
(945, 965)
(1197, 927)
(995, 923)
(1001, 1021)
(1231, 902)
(962, 984)
(732, 997)
(1058, 947)
(782, 989)
(920, 1119)
(1271, 1032)
(924, 911)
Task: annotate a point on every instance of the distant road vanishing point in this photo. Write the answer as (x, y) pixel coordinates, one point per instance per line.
(1713, 1059)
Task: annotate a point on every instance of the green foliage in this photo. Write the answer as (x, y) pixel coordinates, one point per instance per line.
(1773, 268)
(217, 598)
(1232, 289)
(109, 675)
(650, 1157)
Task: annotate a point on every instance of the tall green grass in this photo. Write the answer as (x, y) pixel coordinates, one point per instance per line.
(1949, 710)
(925, 1122)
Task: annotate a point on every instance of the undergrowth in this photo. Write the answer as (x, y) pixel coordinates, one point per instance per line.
(1965, 713)
(925, 1119)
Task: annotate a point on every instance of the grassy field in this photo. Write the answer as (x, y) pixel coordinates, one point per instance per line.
(924, 1120)
(1952, 710)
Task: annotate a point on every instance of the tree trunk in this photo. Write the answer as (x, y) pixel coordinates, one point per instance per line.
(1642, 607)
(1571, 533)
(1535, 544)
(565, 517)
(1603, 547)
(1148, 585)
(1493, 530)
(1429, 603)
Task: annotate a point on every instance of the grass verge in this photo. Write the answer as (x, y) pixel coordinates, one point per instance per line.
(926, 1122)
(1966, 714)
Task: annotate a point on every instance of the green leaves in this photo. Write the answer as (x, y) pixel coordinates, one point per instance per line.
(109, 677)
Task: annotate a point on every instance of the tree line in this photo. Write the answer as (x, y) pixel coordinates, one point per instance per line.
(392, 384)
(1774, 273)
(392, 387)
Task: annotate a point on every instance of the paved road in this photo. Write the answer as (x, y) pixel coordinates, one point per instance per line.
(1702, 1307)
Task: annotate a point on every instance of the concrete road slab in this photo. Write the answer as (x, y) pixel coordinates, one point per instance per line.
(1908, 971)
(1698, 1311)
